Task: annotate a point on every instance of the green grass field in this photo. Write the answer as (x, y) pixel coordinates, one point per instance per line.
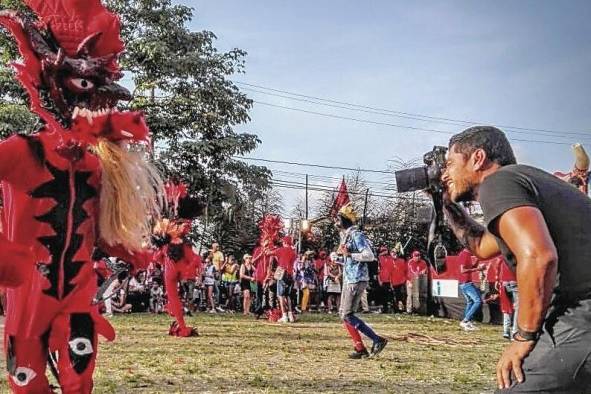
(236, 354)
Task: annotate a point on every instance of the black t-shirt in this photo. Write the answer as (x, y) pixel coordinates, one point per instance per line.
(566, 210)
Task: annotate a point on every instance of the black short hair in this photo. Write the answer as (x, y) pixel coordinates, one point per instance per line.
(488, 138)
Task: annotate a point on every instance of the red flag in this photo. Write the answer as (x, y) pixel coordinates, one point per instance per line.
(342, 199)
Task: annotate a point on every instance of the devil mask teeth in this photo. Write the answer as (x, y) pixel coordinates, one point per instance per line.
(90, 115)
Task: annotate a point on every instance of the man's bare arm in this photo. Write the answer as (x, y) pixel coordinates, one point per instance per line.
(525, 232)
(470, 233)
(474, 269)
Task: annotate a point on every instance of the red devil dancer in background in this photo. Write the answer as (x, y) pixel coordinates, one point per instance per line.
(579, 175)
(270, 227)
(175, 252)
(71, 185)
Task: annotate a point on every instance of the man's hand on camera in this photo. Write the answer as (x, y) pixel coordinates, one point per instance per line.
(511, 361)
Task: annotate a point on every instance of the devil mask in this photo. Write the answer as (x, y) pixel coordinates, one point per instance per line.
(70, 68)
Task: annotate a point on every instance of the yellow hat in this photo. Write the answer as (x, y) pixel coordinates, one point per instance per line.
(347, 212)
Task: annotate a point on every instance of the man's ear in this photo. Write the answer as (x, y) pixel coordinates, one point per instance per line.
(479, 159)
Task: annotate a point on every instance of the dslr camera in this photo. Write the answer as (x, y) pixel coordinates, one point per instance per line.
(428, 178)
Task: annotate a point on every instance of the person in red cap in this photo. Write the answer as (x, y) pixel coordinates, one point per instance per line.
(415, 268)
(286, 257)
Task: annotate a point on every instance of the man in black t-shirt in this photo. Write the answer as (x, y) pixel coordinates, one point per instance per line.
(541, 225)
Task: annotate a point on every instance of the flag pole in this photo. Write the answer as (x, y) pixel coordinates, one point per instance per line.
(364, 208)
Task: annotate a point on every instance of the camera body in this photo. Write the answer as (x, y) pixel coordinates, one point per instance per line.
(427, 177)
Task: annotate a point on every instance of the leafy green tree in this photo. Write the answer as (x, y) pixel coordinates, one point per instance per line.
(14, 112)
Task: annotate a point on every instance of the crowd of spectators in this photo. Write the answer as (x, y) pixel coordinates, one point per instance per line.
(222, 284)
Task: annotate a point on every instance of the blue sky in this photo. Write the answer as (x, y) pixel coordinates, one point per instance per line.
(523, 64)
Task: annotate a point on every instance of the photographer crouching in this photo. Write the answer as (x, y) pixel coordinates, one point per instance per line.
(541, 226)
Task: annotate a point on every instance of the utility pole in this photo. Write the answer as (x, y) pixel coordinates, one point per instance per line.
(306, 196)
(365, 208)
(299, 236)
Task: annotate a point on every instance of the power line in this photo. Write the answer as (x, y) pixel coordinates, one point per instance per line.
(291, 174)
(422, 129)
(376, 112)
(296, 186)
(408, 114)
(542, 133)
(314, 165)
(328, 187)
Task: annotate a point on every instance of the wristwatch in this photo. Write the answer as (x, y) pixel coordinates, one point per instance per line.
(526, 336)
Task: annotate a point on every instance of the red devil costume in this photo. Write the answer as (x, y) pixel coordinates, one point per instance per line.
(579, 175)
(69, 186)
(270, 226)
(175, 252)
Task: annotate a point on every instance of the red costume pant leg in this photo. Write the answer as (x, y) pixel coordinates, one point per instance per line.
(26, 359)
(355, 336)
(63, 333)
(77, 355)
(174, 304)
(73, 339)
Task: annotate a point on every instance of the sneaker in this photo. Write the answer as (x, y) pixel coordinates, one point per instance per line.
(283, 319)
(358, 354)
(212, 311)
(507, 336)
(291, 317)
(220, 309)
(473, 326)
(377, 347)
(467, 326)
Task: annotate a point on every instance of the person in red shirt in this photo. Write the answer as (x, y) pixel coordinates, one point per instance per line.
(469, 289)
(398, 277)
(415, 268)
(509, 297)
(286, 257)
(319, 265)
(385, 264)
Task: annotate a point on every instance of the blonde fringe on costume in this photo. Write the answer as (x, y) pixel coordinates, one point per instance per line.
(131, 196)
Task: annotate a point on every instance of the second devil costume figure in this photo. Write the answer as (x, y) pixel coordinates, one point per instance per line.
(175, 253)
